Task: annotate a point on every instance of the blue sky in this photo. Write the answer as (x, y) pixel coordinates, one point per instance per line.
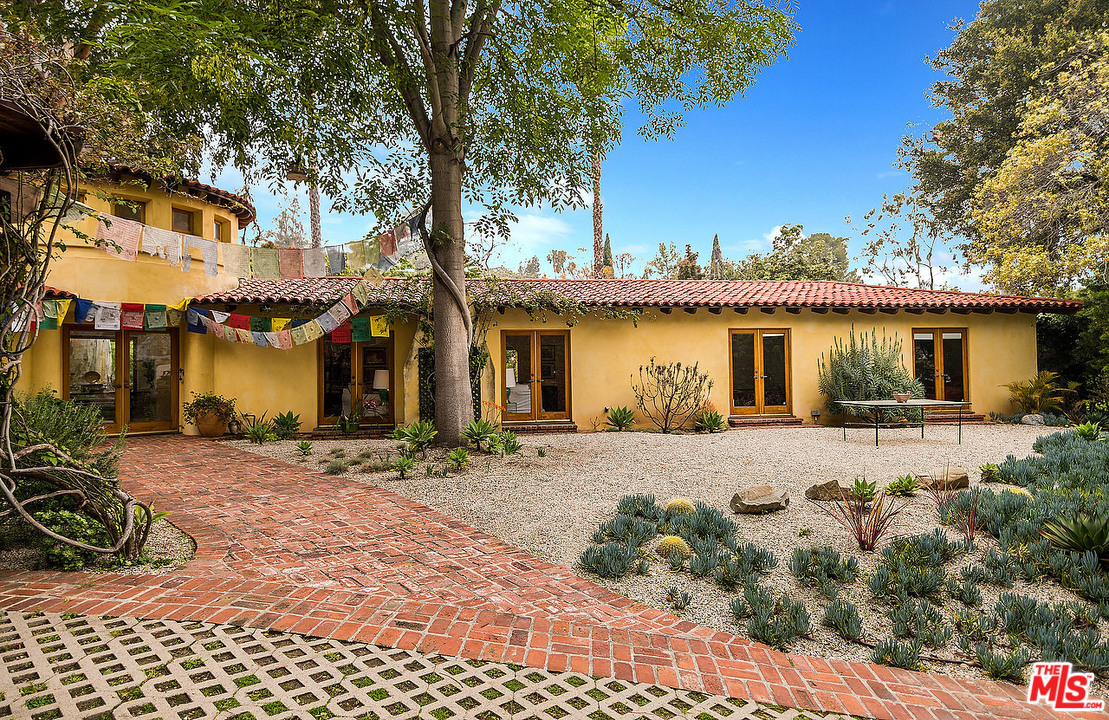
(813, 141)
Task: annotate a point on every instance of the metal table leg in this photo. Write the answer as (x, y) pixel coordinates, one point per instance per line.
(876, 415)
(960, 424)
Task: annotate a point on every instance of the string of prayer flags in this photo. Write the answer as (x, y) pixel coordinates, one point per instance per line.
(131, 316)
(312, 330)
(315, 262)
(279, 324)
(120, 238)
(291, 263)
(154, 318)
(195, 322)
(49, 319)
(209, 252)
(265, 264)
(63, 308)
(356, 254)
(162, 243)
(259, 324)
(326, 322)
(85, 312)
(239, 321)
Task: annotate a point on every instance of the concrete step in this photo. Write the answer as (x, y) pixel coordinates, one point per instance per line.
(759, 421)
(541, 428)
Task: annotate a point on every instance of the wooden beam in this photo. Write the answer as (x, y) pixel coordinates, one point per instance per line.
(868, 311)
(889, 311)
(820, 310)
(841, 311)
(793, 310)
(691, 310)
(741, 310)
(961, 311)
(768, 310)
(714, 310)
(937, 311)
(915, 311)
(665, 310)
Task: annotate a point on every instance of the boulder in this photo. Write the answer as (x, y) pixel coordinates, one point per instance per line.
(956, 479)
(759, 499)
(1032, 420)
(830, 490)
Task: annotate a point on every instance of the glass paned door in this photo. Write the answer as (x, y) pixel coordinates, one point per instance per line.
(356, 375)
(131, 376)
(93, 370)
(939, 363)
(760, 372)
(536, 375)
(151, 381)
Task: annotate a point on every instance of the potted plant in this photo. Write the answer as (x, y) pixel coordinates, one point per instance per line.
(209, 413)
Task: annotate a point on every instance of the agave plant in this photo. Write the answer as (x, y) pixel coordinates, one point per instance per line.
(1082, 533)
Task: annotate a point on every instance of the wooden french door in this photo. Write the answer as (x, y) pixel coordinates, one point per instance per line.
(940, 362)
(357, 374)
(535, 380)
(760, 368)
(131, 376)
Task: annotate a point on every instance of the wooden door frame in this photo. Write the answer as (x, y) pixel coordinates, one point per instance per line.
(123, 376)
(536, 381)
(760, 385)
(357, 382)
(937, 350)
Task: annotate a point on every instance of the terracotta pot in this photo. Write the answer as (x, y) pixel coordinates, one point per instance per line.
(210, 425)
(902, 397)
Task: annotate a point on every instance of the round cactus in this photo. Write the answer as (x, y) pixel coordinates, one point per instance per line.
(679, 506)
(672, 545)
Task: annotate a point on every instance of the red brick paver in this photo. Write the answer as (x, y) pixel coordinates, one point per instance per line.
(282, 548)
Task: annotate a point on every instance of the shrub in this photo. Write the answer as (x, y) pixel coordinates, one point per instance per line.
(897, 654)
(843, 617)
(863, 490)
(73, 525)
(669, 395)
(679, 506)
(904, 486)
(865, 369)
(620, 418)
(611, 560)
(672, 546)
(1040, 394)
(458, 459)
(868, 523)
(710, 421)
(336, 467)
(418, 435)
(286, 425)
(990, 473)
(961, 511)
(479, 431)
(260, 432)
(304, 448)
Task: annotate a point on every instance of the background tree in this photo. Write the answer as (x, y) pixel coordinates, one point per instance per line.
(436, 97)
(795, 256)
(531, 268)
(287, 230)
(557, 259)
(607, 269)
(622, 264)
(1042, 220)
(716, 261)
(665, 263)
(994, 69)
(688, 268)
(904, 247)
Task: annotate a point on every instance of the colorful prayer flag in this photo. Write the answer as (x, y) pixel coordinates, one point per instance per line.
(155, 317)
(119, 239)
(361, 293)
(326, 322)
(86, 311)
(341, 334)
(313, 330)
(379, 326)
(291, 262)
(259, 339)
(360, 329)
(63, 308)
(238, 321)
(315, 262)
(279, 324)
(284, 340)
(132, 316)
(336, 260)
(236, 260)
(259, 324)
(107, 316)
(298, 335)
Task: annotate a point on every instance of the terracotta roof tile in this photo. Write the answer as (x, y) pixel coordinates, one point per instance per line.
(662, 293)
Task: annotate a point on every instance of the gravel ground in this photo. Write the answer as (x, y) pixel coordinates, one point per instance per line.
(551, 505)
(166, 549)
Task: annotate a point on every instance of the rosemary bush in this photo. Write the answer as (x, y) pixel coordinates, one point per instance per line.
(864, 368)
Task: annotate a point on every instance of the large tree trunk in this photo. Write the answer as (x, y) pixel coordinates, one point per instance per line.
(453, 398)
(598, 230)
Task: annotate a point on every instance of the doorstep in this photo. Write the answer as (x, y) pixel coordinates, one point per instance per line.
(334, 433)
(541, 428)
(762, 421)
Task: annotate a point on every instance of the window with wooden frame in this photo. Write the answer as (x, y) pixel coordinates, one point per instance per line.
(183, 221)
(221, 230)
(129, 209)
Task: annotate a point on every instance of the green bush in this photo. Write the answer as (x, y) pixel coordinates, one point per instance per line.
(823, 569)
(865, 368)
(75, 526)
(286, 425)
(1040, 394)
(904, 486)
(620, 418)
(479, 431)
(843, 617)
(710, 421)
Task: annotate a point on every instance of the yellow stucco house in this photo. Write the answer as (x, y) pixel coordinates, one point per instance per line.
(759, 341)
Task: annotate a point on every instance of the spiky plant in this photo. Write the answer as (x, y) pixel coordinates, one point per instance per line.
(1082, 533)
(679, 506)
(671, 546)
(864, 368)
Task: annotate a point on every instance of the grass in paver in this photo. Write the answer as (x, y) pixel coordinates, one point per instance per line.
(455, 669)
(556, 690)
(75, 677)
(515, 685)
(597, 694)
(347, 670)
(274, 708)
(32, 689)
(213, 690)
(441, 713)
(294, 684)
(244, 716)
(424, 699)
(472, 681)
(599, 715)
(389, 673)
(192, 663)
(362, 682)
(156, 671)
(144, 709)
(247, 681)
(378, 694)
(575, 681)
(260, 694)
(557, 712)
(82, 690)
(175, 700)
(323, 713)
(491, 693)
(40, 701)
(448, 690)
(226, 704)
(133, 693)
(431, 678)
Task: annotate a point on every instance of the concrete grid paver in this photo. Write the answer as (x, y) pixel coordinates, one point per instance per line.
(289, 550)
(85, 668)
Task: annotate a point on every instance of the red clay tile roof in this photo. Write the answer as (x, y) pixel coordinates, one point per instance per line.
(663, 293)
(56, 293)
(237, 204)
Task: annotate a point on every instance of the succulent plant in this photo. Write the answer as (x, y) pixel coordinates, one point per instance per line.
(620, 418)
(611, 560)
(673, 546)
(679, 506)
(1082, 533)
(678, 599)
(843, 617)
(897, 654)
(304, 448)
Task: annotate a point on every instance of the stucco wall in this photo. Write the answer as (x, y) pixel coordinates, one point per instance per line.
(606, 354)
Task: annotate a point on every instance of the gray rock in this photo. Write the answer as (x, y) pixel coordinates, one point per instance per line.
(759, 499)
(955, 479)
(830, 490)
(1032, 420)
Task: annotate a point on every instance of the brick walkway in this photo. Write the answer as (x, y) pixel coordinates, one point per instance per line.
(283, 549)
